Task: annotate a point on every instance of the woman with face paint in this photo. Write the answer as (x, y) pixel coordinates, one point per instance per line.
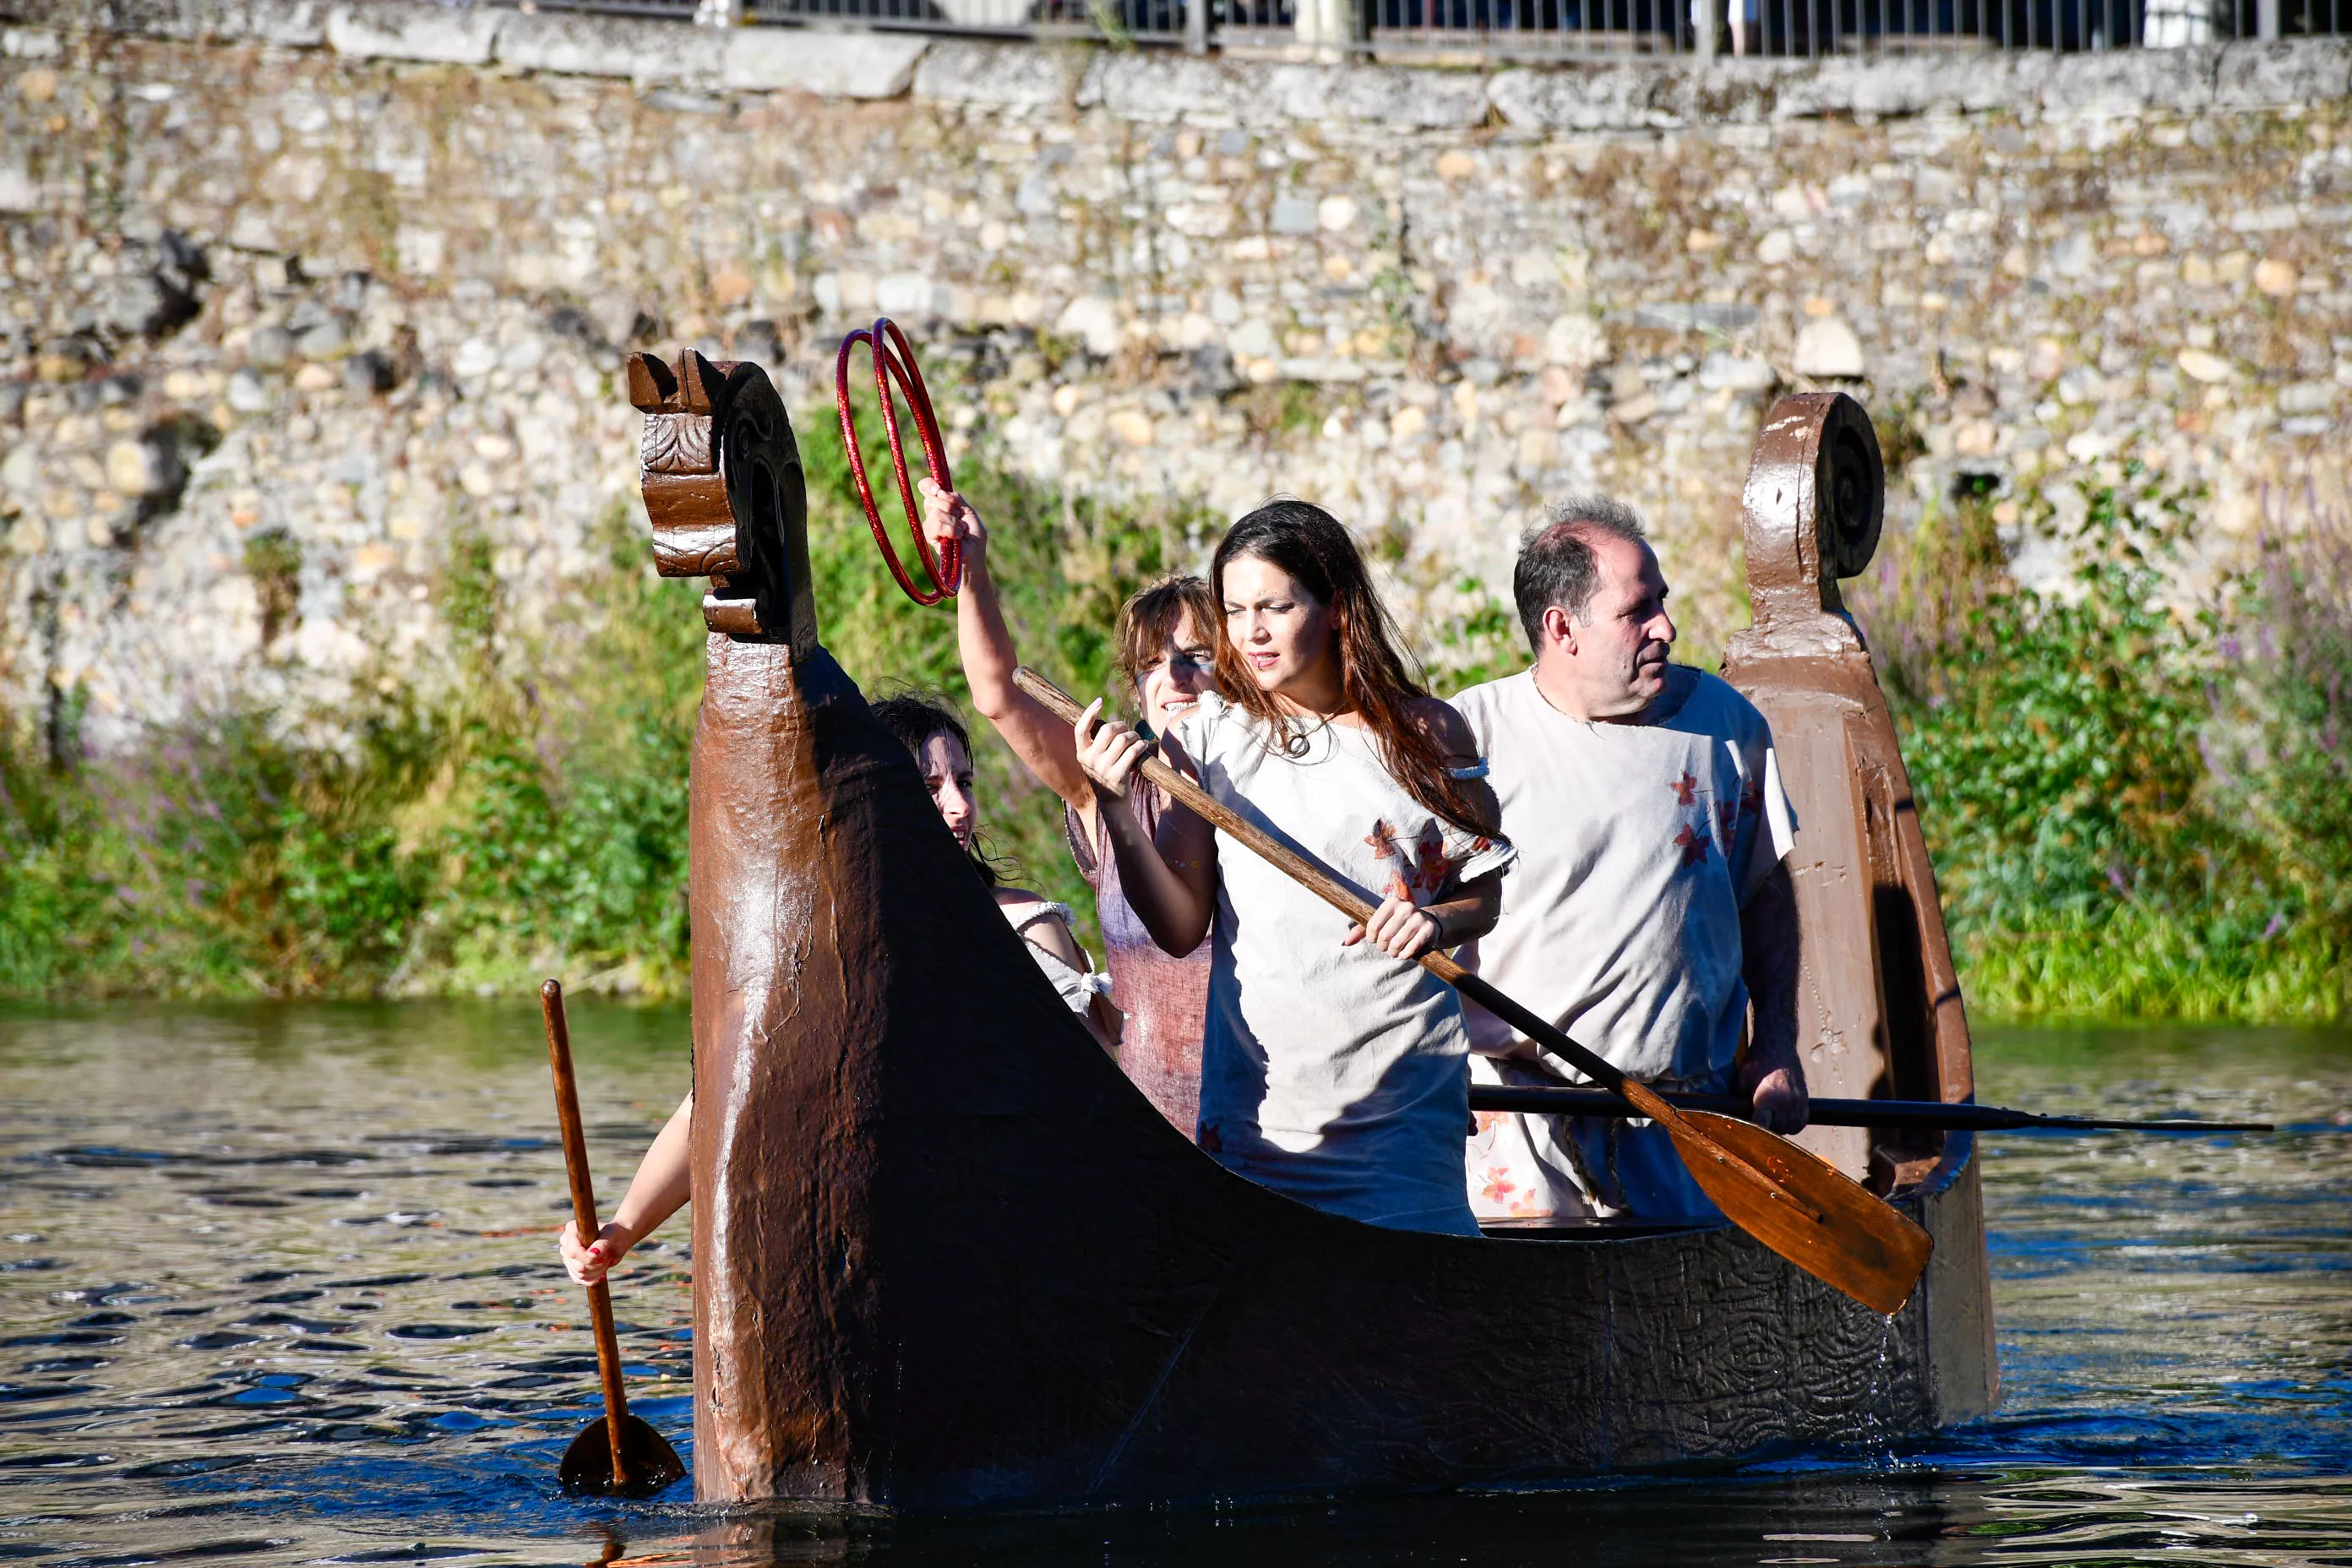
(1165, 637)
(1334, 1068)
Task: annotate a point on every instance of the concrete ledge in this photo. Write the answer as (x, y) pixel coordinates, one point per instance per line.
(1147, 85)
(2268, 76)
(1390, 96)
(1136, 86)
(995, 75)
(400, 32)
(832, 65)
(1608, 97)
(2128, 79)
(650, 52)
(293, 23)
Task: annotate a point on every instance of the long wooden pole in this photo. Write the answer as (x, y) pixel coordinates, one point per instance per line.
(1787, 1198)
(583, 1216)
(1344, 899)
(1933, 1115)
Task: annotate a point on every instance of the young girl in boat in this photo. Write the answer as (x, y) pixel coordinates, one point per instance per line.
(941, 747)
(1334, 1068)
(1165, 639)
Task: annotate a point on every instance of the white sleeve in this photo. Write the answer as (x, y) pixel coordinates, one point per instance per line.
(1775, 832)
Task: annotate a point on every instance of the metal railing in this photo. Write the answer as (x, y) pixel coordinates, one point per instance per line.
(1565, 29)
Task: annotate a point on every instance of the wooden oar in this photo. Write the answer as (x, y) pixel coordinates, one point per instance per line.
(1790, 1199)
(1933, 1115)
(616, 1455)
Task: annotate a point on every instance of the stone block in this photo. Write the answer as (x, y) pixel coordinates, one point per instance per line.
(1136, 86)
(832, 65)
(1738, 372)
(1610, 98)
(1292, 215)
(1390, 96)
(292, 24)
(570, 43)
(1885, 86)
(2120, 81)
(993, 75)
(390, 31)
(2280, 75)
(1827, 349)
(1094, 320)
(2209, 368)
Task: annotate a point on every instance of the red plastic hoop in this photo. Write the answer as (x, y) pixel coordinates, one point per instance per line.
(892, 357)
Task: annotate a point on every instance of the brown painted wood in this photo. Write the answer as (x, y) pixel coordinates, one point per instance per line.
(947, 1258)
(616, 1454)
(1793, 1201)
(1880, 1015)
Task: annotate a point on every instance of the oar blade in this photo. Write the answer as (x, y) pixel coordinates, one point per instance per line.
(652, 1465)
(1834, 1229)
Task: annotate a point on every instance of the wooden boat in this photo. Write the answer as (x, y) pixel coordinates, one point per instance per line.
(948, 1258)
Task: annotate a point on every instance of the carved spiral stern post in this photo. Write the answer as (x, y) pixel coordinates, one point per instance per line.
(1879, 1007)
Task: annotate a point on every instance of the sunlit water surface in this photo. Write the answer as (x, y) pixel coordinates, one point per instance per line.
(278, 1286)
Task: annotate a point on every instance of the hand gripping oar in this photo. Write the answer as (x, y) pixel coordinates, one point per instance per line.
(616, 1455)
(1935, 1115)
(1793, 1201)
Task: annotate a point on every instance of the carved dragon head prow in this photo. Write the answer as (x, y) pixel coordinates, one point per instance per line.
(725, 493)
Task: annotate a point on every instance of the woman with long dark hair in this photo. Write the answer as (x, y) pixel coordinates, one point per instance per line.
(928, 727)
(1334, 1068)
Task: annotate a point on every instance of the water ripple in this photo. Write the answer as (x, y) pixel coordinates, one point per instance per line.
(294, 1301)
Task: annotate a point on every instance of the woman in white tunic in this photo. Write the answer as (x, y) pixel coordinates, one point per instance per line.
(1334, 1068)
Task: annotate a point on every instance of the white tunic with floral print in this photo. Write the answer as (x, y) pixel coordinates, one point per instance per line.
(1639, 844)
(1335, 1074)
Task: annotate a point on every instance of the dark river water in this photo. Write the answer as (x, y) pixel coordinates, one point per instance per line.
(278, 1286)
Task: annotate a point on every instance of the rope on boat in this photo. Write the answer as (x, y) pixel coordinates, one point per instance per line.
(893, 358)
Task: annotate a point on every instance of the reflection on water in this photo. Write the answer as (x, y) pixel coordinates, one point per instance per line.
(277, 1285)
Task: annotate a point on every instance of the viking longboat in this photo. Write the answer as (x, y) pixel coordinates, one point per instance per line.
(946, 1258)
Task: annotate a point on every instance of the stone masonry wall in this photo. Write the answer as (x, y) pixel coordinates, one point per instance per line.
(295, 297)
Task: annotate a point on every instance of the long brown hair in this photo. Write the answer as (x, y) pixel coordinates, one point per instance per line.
(1376, 679)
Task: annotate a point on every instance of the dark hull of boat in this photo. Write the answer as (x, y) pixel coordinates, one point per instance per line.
(949, 1258)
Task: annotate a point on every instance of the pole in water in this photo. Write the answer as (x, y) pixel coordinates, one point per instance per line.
(616, 1455)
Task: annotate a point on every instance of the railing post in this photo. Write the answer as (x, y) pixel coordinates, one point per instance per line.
(719, 13)
(1702, 13)
(1196, 26)
(1328, 28)
(2266, 20)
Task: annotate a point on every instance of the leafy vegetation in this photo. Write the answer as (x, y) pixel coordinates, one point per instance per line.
(2138, 806)
(532, 819)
